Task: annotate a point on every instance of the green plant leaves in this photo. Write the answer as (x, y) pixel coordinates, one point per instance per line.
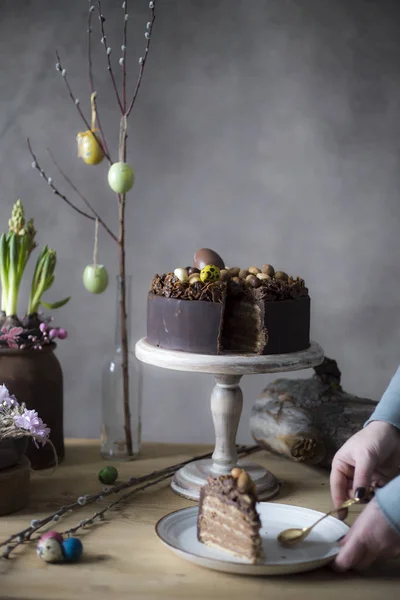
(54, 305)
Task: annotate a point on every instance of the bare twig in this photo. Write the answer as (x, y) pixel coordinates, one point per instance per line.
(107, 50)
(49, 181)
(123, 48)
(122, 298)
(85, 200)
(148, 480)
(91, 82)
(143, 59)
(76, 101)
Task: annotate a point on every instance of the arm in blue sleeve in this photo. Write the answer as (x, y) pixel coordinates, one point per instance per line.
(388, 499)
(388, 409)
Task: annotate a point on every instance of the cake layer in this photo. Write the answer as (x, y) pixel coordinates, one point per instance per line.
(241, 325)
(266, 327)
(224, 526)
(228, 518)
(187, 325)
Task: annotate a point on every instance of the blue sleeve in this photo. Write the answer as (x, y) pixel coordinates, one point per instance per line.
(388, 499)
(388, 409)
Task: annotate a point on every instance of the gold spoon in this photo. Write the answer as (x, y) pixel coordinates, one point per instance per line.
(290, 537)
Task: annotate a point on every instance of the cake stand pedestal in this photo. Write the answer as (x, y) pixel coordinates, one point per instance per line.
(226, 408)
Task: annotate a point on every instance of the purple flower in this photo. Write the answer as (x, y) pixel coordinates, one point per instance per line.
(11, 336)
(43, 327)
(6, 399)
(31, 421)
(62, 334)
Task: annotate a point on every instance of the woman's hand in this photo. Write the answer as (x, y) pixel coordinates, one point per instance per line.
(370, 457)
(370, 537)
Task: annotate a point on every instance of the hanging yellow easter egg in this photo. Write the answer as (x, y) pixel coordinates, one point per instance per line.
(90, 148)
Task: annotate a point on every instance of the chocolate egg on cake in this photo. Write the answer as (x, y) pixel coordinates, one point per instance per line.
(206, 256)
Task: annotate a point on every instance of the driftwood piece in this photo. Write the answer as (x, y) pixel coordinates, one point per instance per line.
(308, 420)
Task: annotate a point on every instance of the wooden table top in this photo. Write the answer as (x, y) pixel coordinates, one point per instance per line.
(124, 558)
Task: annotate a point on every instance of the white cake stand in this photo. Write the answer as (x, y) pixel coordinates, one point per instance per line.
(226, 407)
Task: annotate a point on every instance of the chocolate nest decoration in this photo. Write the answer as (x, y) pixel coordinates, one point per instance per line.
(170, 286)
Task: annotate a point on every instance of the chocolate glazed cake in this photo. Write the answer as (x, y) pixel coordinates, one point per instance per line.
(236, 311)
(228, 518)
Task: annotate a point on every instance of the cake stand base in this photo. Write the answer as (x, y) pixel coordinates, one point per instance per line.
(226, 407)
(188, 480)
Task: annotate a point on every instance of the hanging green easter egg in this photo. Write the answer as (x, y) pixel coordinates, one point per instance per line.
(95, 278)
(121, 177)
(90, 148)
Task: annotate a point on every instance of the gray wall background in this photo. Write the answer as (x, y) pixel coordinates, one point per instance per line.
(266, 129)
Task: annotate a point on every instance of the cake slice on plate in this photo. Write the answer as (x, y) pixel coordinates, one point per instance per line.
(228, 518)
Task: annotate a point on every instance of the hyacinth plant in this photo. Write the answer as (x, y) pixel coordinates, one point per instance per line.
(16, 247)
(16, 421)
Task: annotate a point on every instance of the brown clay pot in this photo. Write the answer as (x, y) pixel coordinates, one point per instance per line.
(35, 377)
(14, 487)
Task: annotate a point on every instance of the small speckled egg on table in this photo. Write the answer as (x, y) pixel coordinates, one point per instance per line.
(52, 535)
(50, 550)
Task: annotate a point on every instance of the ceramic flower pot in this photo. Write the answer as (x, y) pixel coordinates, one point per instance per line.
(35, 378)
(14, 487)
(11, 451)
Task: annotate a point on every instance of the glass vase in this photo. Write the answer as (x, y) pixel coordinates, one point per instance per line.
(113, 440)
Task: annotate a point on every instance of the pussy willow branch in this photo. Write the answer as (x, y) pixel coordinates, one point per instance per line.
(14, 540)
(143, 59)
(100, 513)
(49, 180)
(91, 82)
(85, 200)
(124, 43)
(76, 100)
(108, 54)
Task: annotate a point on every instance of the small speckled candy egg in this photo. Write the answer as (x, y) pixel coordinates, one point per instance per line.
(50, 550)
(108, 475)
(72, 548)
(209, 273)
(52, 535)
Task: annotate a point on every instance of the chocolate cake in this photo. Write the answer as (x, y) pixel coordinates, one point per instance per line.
(207, 309)
(228, 518)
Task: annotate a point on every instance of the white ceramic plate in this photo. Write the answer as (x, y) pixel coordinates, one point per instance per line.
(178, 531)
